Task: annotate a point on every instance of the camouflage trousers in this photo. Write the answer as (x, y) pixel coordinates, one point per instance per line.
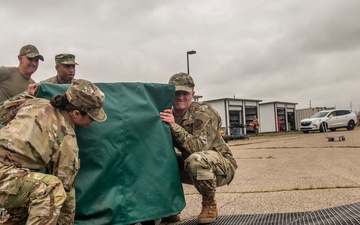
(206, 170)
(28, 197)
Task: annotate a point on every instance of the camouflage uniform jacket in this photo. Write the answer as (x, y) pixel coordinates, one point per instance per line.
(199, 130)
(51, 80)
(39, 137)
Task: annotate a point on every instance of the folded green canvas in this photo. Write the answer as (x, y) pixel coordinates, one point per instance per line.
(128, 168)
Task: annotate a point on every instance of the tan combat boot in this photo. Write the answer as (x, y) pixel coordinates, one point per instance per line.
(209, 210)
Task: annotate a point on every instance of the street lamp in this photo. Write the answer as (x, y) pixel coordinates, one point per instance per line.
(187, 56)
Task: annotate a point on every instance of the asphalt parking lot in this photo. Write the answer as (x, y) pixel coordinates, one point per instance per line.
(288, 172)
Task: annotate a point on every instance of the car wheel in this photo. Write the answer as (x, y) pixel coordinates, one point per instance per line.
(350, 125)
(305, 132)
(323, 127)
(333, 129)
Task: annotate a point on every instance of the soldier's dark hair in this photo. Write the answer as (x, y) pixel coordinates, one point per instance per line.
(61, 102)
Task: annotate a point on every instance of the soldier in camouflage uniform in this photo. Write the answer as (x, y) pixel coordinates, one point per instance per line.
(65, 67)
(39, 155)
(14, 80)
(204, 158)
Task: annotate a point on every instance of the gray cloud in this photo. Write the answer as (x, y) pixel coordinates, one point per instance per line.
(293, 51)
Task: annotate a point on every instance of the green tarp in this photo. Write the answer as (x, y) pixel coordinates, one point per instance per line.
(128, 168)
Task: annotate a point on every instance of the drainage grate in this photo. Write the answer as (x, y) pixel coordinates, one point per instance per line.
(340, 215)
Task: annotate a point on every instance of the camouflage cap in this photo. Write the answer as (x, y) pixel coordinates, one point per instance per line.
(30, 51)
(182, 82)
(66, 59)
(87, 97)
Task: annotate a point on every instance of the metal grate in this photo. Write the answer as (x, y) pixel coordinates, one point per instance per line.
(340, 215)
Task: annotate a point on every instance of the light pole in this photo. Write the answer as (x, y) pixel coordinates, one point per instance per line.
(187, 57)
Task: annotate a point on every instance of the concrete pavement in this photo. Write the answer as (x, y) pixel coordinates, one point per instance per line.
(287, 172)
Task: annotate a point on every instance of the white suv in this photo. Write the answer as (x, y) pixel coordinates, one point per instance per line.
(329, 119)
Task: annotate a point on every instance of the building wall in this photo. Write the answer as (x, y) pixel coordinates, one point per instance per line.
(267, 122)
(234, 122)
(236, 114)
(277, 116)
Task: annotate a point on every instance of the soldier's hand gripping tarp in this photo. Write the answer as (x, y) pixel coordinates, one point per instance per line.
(128, 168)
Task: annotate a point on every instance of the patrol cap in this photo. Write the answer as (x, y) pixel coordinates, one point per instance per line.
(30, 51)
(182, 82)
(66, 59)
(87, 97)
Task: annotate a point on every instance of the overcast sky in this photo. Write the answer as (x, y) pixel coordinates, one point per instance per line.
(299, 51)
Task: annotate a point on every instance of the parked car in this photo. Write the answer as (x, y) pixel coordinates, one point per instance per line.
(329, 119)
